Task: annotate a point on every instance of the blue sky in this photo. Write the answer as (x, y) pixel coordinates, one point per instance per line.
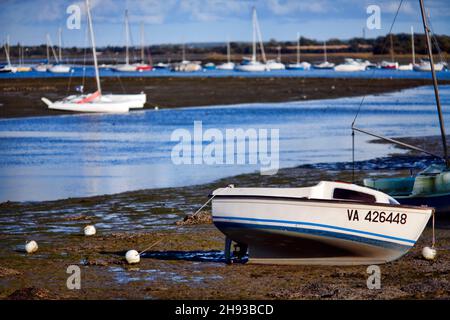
(174, 21)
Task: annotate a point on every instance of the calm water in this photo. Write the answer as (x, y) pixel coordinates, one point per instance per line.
(46, 158)
(377, 73)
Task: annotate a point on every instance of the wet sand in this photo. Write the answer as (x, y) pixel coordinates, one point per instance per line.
(22, 97)
(188, 263)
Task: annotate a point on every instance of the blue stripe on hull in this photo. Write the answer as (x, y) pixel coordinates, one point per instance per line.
(315, 225)
(322, 233)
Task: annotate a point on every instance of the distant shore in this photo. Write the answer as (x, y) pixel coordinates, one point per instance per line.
(22, 97)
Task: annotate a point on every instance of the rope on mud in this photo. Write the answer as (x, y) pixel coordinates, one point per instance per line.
(151, 246)
(433, 236)
(209, 200)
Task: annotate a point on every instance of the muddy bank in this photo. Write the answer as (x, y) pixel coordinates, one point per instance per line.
(22, 97)
(187, 260)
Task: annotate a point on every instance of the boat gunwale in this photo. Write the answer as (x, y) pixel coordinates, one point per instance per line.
(303, 199)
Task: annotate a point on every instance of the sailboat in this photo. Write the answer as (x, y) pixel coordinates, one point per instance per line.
(127, 67)
(186, 65)
(97, 102)
(142, 66)
(227, 65)
(251, 64)
(59, 67)
(43, 67)
(390, 64)
(325, 64)
(351, 65)
(299, 65)
(431, 187)
(331, 223)
(8, 67)
(410, 66)
(276, 64)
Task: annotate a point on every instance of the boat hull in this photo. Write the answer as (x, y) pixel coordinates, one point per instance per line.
(296, 231)
(60, 69)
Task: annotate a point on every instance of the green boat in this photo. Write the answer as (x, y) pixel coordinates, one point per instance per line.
(430, 187)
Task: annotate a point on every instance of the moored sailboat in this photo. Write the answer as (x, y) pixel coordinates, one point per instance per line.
(299, 65)
(332, 223)
(251, 64)
(97, 102)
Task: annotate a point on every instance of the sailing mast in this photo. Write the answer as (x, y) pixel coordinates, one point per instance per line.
(254, 34)
(298, 47)
(127, 34)
(228, 51)
(48, 51)
(94, 52)
(412, 46)
(325, 51)
(142, 43)
(258, 30)
(60, 44)
(392, 47)
(435, 83)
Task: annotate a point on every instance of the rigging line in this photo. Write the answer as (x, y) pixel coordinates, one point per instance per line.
(373, 71)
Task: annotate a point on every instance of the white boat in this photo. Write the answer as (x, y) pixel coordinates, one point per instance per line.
(253, 65)
(332, 223)
(60, 68)
(275, 65)
(425, 66)
(406, 67)
(325, 64)
(299, 65)
(410, 66)
(97, 102)
(227, 65)
(186, 66)
(350, 65)
(126, 67)
(8, 68)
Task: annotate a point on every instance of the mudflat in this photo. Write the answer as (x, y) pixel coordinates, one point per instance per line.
(22, 97)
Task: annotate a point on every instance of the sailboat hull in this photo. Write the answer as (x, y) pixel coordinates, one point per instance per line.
(307, 231)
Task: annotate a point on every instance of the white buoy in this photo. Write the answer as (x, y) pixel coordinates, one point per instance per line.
(31, 246)
(156, 108)
(429, 253)
(89, 230)
(132, 257)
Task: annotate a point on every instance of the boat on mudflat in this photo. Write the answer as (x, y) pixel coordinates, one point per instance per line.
(332, 223)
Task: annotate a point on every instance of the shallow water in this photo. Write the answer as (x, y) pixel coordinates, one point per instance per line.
(46, 158)
(79, 71)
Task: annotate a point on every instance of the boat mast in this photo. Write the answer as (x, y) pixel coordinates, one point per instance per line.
(48, 51)
(142, 43)
(60, 44)
(412, 46)
(258, 30)
(228, 51)
(94, 52)
(127, 32)
(325, 50)
(298, 47)
(392, 47)
(435, 83)
(7, 53)
(254, 34)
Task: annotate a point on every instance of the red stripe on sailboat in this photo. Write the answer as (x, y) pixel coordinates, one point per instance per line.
(90, 97)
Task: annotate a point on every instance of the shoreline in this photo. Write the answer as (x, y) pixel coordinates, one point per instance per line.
(22, 97)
